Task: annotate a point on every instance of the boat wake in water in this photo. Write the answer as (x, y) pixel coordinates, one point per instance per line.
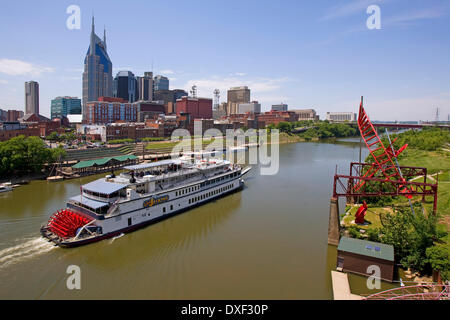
(117, 237)
(26, 250)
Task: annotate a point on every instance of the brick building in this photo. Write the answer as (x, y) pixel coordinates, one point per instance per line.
(306, 114)
(109, 110)
(9, 130)
(198, 108)
(359, 256)
(149, 110)
(275, 117)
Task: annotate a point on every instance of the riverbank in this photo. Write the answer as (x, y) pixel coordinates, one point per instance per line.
(24, 179)
(438, 165)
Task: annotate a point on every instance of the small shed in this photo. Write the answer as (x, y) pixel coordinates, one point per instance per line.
(356, 256)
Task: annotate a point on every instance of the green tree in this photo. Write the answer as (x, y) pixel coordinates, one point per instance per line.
(53, 137)
(284, 127)
(439, 259)
(57, 154)
(411, 235)
(22, 155)
(396, 231)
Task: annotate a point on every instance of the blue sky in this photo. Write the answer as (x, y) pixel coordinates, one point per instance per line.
(308, 54)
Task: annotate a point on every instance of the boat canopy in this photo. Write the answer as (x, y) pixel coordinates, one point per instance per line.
(103, 187)
(89, 202)
(144, 166)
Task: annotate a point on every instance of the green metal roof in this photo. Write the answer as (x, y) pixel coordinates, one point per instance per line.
(102, 161)
(367, 248)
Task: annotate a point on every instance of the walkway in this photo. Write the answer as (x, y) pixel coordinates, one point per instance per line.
(341, 287)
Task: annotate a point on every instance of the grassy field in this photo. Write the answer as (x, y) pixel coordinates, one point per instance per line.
(434, 161)
(438, 165)
(167, 146)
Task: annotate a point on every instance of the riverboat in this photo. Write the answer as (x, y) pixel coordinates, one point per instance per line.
(141, 195)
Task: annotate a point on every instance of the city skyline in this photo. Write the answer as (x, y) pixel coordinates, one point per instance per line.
(321, 56)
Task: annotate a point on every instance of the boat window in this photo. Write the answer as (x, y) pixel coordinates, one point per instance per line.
(164, 209)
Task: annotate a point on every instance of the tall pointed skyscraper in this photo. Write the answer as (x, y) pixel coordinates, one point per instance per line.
(97, 75)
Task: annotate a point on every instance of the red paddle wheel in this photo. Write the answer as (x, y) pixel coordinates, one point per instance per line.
(384, 157)
(65, 223)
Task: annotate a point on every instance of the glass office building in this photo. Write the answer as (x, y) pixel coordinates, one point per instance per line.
(63, 106)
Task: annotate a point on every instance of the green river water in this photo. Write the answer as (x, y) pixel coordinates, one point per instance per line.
(268, 241)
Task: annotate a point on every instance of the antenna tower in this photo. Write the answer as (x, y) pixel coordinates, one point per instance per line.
(216, 98)
(194, 91)
(437, 115)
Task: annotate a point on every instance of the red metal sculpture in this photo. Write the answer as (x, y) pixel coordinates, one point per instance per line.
(383, 156)
(384, 176)
(360, 214)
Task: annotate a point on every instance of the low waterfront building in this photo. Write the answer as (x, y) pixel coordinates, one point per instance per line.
(119, 131)
(30, 125)
(9, 130)
(134, 131)
(341, 116)
(251, 107)
(280, 107)
(356, 256)
(306, 114)
(44, 124)
(103, 164)
(275, 117)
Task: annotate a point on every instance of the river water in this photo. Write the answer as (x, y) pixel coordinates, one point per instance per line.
(268, 241)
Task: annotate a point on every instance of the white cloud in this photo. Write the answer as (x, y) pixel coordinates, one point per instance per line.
(167, 72)
(259, 85)
(264, 90)
(19, 68)
(339, 11)
(3, 81)
(238, 74)
(408, 17)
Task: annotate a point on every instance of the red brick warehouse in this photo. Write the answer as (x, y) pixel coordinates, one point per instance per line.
(198, 108)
